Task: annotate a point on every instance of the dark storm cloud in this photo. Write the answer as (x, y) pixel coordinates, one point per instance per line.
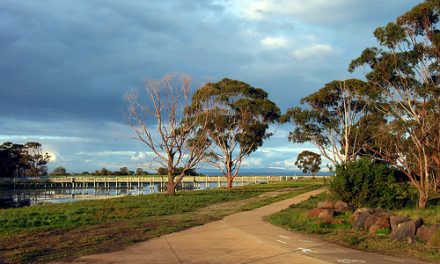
(64, 65)
(80, 57)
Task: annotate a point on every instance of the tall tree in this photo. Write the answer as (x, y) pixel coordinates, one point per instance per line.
(405, 68)
(328, 118)
(308, 161)
(238, 117)
(161, 121)
(34, 159)
(10, 159)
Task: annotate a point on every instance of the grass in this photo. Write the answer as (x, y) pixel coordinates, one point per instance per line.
(58, 231)
(293, 218)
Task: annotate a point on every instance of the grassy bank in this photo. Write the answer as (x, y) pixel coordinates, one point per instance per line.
(293, 218)
(53, 231)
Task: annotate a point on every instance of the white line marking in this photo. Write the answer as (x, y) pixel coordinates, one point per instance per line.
(284, 237)
(306, 250)
(347, 261)
(393, 259)
(306, 241)
(281, 241)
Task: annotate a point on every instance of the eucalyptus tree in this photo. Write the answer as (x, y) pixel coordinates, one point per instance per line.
(328, 118)
(238, 117)
(160, 120)
(34, 159)
(309, 161)
(405, 69)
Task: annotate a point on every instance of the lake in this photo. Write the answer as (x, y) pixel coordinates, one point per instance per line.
(19, 197)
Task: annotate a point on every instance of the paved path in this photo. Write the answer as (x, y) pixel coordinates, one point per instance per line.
(240, 238)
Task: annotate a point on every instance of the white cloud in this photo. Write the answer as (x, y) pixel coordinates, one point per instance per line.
(252, 162)
(314, 11)
(313, 51)
(142, 156)
(274, 42)
(107, 153)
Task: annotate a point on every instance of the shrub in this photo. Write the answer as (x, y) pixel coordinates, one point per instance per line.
(364, 183)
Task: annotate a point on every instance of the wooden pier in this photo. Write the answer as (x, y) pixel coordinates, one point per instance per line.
(136, 181)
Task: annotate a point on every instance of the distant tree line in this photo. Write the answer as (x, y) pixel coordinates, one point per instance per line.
(124, 171)
(22, 160)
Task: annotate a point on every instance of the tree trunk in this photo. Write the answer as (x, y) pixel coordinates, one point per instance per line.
(171, 187)
(423, 198)
(230, 180)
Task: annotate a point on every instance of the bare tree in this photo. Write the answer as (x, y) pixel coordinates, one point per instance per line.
(161, 120)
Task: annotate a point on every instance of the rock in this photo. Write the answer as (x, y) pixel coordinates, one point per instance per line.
(327, 215)
(369, 221)
(396, 220)
(424, 233)
(342, 207)
(356, 214)
(382, 222)
(434, 241)
(359, 219)
(325, 205)
(313, 213)
(406, 230)
(382, 213)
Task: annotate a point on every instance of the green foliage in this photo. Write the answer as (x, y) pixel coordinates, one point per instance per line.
(177, 171)
(365, 183)
(19, 160)
(405, 68)
(59, 171)
(328, 114)
(238, 117)
(308, 161)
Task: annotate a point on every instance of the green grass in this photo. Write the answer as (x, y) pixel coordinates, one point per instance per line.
(52, 231)
(293, 218)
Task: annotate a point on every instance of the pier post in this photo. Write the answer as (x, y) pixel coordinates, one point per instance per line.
(242, 181)
(117, 183)
(255, 178)
(219, 184)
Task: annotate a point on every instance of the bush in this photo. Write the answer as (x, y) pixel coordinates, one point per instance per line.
(364, 183)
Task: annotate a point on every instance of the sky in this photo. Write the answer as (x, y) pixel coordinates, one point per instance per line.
(65, 65)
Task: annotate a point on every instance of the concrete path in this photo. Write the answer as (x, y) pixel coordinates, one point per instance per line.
(241, 238)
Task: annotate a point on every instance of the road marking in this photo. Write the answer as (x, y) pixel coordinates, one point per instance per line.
(305, 250)
(281, 241)
(306, 241)
(350, 261)
(284, 237)
(393, 259)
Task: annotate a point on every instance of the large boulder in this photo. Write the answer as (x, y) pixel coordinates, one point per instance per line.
(434, 241)
(314, 212)
(369, 221)
(326, 205)
(396, 220)
(342, 207)
(357, 220)
(326, 215)
(406, 230)
(382, 223)
(424, 233)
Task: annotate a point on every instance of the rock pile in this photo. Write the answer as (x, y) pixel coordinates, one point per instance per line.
(379, 222)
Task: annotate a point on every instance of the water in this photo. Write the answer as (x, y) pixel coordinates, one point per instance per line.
(30, 196)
